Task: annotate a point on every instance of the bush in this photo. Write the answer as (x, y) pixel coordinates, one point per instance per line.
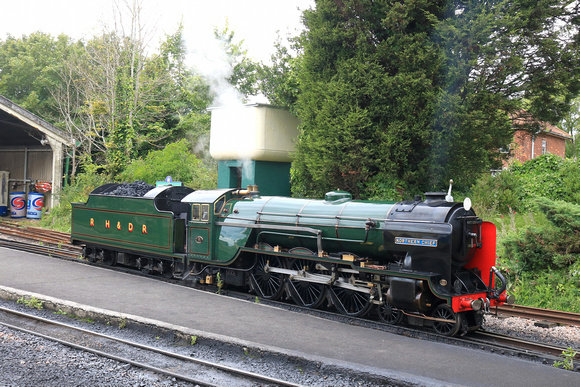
(554, 246)
(516, 189)
(78, 191)
(175, 160)
(549, 176)
(550, 289)
(497, 194)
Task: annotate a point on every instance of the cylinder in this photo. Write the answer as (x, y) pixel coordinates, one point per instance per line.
(17, 205)
(35, 204)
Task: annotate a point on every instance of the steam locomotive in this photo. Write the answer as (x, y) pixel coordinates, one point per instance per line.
(427, 261)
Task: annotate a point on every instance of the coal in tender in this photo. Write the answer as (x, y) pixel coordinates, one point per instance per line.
(135, 189)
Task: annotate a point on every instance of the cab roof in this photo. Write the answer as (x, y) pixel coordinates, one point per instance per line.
(205, 196)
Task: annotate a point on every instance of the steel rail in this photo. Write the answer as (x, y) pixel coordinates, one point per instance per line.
(34, 233)
(509, 342)
(560, 317)
(38, 230)
(205, 363)
(42, 249)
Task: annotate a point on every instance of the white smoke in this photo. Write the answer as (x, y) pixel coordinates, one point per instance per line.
(208, 57)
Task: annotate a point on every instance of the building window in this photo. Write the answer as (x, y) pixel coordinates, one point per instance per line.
(544, 147)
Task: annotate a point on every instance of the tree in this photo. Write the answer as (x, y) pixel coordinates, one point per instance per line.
(571, 124)
(116, 100)
(399, 97)
(29, 70)
(278, 82)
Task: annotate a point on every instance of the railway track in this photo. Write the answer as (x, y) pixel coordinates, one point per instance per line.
(38, 234)
(528, 312)
(180, 367)
(509, 343)
(37, 240)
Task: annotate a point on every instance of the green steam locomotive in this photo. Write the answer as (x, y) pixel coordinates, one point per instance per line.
(427, 261)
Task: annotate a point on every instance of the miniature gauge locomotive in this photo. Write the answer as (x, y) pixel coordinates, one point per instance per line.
(429, 261)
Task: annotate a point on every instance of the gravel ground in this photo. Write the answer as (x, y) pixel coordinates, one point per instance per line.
(27, 360)
(565, 336)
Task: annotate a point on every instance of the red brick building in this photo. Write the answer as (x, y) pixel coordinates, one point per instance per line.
(535, 139)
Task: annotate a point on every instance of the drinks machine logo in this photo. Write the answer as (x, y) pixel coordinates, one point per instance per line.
(17, 203)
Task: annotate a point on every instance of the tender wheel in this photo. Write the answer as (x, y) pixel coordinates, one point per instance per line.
(350, 302)
(446, 328)
(267, 284)
(145, 266)
(107, 257)
(389, 315)
(89, 254)
(308, 294)
(167, 270)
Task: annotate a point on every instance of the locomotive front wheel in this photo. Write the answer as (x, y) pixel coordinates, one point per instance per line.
(350, 302)
(307, 294)
(444, 312)
(267, 284)
(389, 315)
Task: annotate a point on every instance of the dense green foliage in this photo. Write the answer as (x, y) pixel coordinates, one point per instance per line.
(116, 99)
(514, 189)
(536, 208)
(416, 93)
(554, 246)
(543, 260)
(29, 68)
(175, 160)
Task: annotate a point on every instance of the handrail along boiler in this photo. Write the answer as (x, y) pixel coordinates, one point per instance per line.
(430, 262)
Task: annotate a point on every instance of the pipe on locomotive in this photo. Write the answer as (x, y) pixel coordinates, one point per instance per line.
(494, 294)
(251, 190)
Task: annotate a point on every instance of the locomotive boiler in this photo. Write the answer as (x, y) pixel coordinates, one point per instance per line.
(428, 261)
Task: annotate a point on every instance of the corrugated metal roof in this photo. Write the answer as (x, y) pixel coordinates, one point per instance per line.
(20, 127)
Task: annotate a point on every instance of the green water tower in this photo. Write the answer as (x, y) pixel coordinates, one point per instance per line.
(253, 144)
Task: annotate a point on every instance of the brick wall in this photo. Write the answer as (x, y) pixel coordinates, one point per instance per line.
(543, 142)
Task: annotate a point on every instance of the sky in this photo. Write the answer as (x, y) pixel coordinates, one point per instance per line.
(254, 21)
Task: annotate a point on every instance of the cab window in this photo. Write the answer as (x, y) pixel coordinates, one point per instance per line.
(219, 205)
(205, 212)
(195, 212)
